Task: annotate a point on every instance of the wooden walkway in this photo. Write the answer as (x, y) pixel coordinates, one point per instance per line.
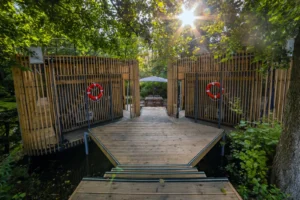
(154, 158)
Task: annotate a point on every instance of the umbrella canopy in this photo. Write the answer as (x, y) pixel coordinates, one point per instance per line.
(153, 79)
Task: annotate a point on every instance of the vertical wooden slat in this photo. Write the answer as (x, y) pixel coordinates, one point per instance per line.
(24, 98)
(260, 92)
(255, 94)
(38, 115)
(275, 94)
(265, 95)
(21, 106)
(28, 84)
(270, 92)
(279, 95)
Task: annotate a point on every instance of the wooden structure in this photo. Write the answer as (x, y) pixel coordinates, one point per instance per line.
(154, 101)
(248, 91)
(150, 148)
(52, 98)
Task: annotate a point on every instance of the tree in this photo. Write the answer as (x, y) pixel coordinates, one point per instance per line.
(263, 27)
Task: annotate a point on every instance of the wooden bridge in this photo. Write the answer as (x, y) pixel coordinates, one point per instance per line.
(155, 157)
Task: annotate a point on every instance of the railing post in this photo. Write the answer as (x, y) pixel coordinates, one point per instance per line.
(85, 95)
(220, 110)
(86, 142)
(111, 100)
(196, 98)
(221, 98)
(223, 145)
(127, 96)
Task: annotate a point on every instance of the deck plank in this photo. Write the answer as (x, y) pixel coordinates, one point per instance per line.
(155, 190)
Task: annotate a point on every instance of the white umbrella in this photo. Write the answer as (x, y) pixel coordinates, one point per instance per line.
(154, 79)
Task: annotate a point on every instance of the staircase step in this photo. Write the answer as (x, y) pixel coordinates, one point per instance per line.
(209, 179)
(155, 166)
(154, 175)
(154, 169)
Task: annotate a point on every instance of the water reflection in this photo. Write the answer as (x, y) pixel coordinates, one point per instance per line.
(69, 166)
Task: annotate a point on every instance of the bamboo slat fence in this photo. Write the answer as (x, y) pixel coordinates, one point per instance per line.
(248, 93)
(52, 97)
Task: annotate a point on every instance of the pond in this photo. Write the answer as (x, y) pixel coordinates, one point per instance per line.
(60, 173)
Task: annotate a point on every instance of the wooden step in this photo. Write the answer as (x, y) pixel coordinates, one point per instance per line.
(156, 166)
(154, 175)
(154, 169)
(137, 189)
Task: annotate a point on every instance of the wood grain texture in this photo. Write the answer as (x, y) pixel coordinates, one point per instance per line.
(155, 190)
(155, 138)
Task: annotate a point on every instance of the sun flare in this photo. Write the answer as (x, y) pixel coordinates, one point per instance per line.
(187, 17)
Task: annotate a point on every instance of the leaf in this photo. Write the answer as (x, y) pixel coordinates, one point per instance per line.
(22, 195)
(223, 190)
(160, 4)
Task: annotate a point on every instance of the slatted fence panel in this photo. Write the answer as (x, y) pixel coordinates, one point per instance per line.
(249, 94)
(52, 97)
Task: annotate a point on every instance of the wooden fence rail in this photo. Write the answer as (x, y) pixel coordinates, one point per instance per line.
(249, 94)
(52, 97)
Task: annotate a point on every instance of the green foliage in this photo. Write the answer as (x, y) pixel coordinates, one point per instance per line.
(252, 150)
(7, 105)
(9, 127)
(236, 106)
(153, 88)
(262, 27)
(8, 173)
(3, 92)
(17, 183)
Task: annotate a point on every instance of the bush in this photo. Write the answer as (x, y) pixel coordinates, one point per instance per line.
(3, 92)
(17, 183)
(10, 99)
(249, 163)
(153, 88)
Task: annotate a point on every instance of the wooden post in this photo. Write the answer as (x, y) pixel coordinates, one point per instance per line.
(221, 97)
(196, 100)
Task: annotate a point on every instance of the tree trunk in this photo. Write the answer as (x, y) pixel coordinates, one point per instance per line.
(286, 171)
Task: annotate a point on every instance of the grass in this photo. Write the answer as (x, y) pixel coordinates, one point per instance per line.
(6, 104)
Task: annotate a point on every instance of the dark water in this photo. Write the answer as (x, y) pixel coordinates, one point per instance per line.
(213, 162)
(62, 172)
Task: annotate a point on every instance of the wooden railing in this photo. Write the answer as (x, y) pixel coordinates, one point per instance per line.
(52, 97)
(249, 93)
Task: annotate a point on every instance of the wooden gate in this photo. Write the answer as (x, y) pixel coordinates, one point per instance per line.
(52, 97)
(249, 94)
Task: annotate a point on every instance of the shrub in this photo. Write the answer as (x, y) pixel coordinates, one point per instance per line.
(3, 92)
(153, 88)
(252, 149)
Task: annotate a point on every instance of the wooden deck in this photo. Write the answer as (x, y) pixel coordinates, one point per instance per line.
(154, 138)
(154, 158)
